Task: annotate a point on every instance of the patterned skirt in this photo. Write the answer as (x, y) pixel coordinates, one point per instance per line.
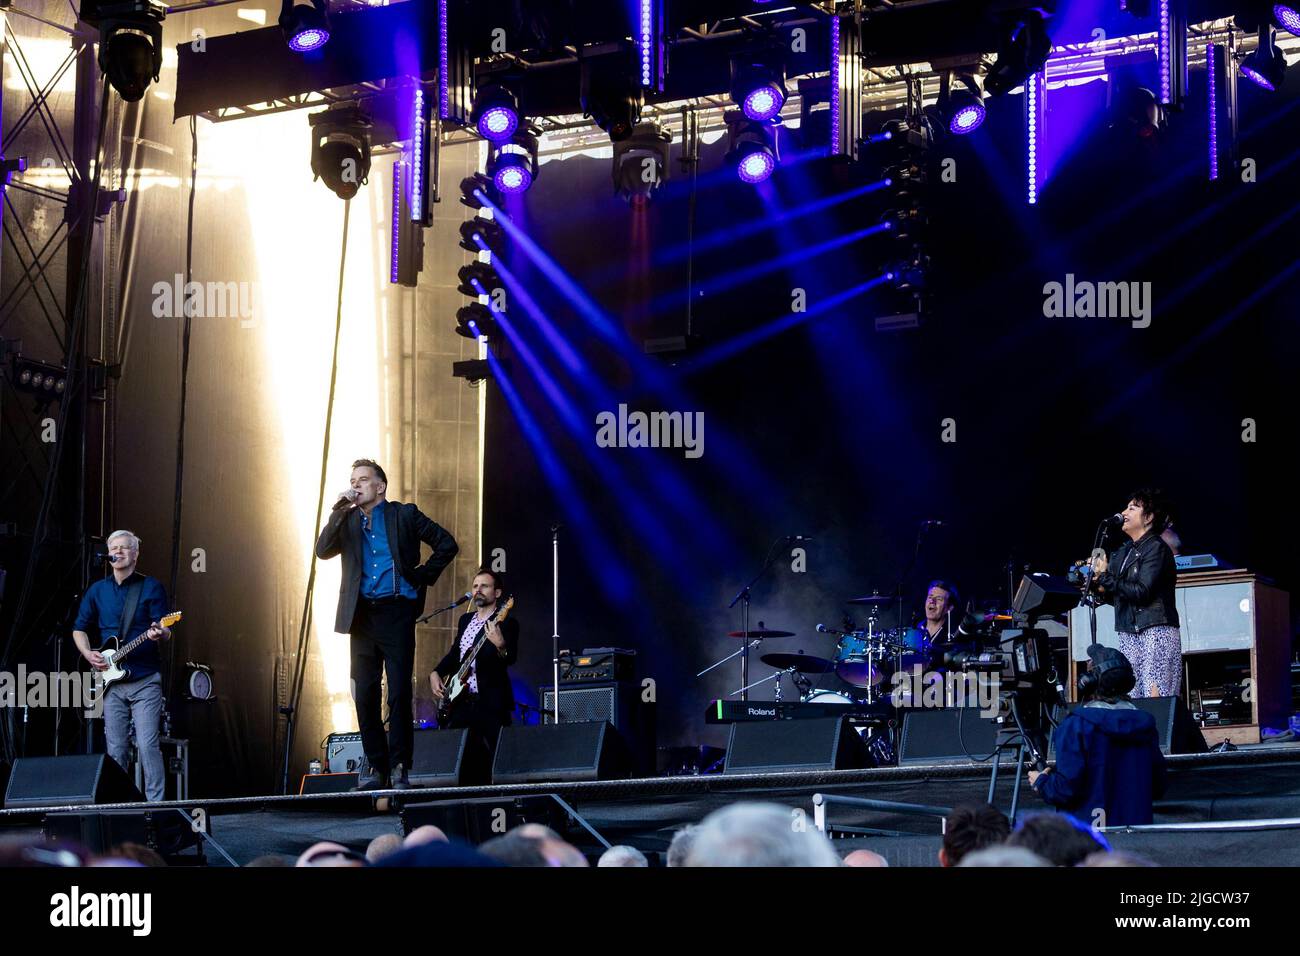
(1157, 658)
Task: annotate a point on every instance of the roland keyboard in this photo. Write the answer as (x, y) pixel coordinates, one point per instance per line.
(733, 711)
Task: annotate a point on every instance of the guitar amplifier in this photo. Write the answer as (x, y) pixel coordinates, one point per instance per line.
(597, 664)
(344, 753)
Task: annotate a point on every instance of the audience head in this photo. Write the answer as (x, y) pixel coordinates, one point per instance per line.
(622, 856)
(271, 859)
(386, 844)
(1115, 858)
(330, 854)
(136, 853)
(760, 834)
(1057, 838)
(680, 848)
(1003, 855)
(971, 827)
(865, 858)
(424, 834)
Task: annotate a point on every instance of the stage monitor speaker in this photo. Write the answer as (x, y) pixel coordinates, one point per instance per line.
(168, 831)
(560, 753)
(618, 702)
(780, 746)
(949, 735)
(448, 758)
(75, 780)
(1178, 732)
(328, 782)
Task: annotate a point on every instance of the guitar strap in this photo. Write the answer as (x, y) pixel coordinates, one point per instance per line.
(128, 608)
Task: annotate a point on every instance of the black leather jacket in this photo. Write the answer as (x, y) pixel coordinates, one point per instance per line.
(1140, 583)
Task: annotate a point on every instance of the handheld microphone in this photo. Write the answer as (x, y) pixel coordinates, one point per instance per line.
(344, 503)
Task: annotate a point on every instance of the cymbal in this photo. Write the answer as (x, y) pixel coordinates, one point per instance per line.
(803, 663)
(762, 632)
(874, 598)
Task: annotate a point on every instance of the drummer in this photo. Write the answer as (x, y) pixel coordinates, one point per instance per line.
(941, 603)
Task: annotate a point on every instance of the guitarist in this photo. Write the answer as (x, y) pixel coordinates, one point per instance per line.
(123, 606)
(485, 705)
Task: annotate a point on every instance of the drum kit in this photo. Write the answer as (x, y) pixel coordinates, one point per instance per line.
(864, 659)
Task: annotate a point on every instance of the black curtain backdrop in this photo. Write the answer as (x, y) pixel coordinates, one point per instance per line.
(833, 430)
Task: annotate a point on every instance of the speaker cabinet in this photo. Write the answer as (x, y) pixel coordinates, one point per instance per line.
(618, 702)
(74, 780)
(780, 746)
(559, 753)
(447, 758)
(1178, 732)
(949, 735)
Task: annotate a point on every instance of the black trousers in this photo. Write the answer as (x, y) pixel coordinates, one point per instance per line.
(484, 719)
(383, 640)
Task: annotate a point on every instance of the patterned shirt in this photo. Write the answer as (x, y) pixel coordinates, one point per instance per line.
(467, 640)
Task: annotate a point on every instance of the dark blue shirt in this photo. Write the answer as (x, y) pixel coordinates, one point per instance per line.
(377, 573)
(101, 614)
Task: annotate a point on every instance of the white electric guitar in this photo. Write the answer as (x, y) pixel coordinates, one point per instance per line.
(115, 655)
(460, 680)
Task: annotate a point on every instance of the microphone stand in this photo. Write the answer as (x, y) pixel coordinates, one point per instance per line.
(555, 620)
(743, 595)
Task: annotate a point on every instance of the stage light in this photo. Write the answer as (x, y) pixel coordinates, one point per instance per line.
(1287, 18)
(513, 165)
(1266, 67)
(611, 99)
(305, 25)
(496, 112)
(964, 105)
(40, 378)
(475, 274)
(477, 183)
(752, 148)
(1023, 51)
(758, 84)
(478, 232)
(130, 43)
(340, 149)
(641, 162)
(475, 320)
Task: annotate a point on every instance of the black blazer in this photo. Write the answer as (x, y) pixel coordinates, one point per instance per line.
(406, 528)
(491, 666)
(1140, 581)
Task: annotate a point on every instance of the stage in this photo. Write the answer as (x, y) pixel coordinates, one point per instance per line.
(1229, 809)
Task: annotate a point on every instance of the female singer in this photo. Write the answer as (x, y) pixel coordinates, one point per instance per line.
(1139, 580)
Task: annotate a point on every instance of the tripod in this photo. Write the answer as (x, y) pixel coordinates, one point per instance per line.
(1016, 739)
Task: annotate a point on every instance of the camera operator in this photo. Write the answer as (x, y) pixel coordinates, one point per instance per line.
(1109, 769)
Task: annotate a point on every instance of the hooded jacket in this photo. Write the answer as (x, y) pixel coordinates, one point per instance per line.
(1108, 758)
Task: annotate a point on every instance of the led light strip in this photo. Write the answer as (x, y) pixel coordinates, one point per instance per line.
(395, 231)
(835, 84)
(1213, 98)
(1032, 94)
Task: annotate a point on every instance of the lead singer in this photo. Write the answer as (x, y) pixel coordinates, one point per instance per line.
(380, 596)
(1140, 580)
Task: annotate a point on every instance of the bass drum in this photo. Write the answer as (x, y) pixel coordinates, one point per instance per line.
(827, 697)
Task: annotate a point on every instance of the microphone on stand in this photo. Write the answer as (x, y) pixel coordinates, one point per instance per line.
(454, 604)
(105, 556)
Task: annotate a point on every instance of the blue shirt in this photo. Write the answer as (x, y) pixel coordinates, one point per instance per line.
(101, 614)
(378, 577)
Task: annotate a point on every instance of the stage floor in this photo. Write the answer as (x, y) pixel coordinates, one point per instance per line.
(1258, 784)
